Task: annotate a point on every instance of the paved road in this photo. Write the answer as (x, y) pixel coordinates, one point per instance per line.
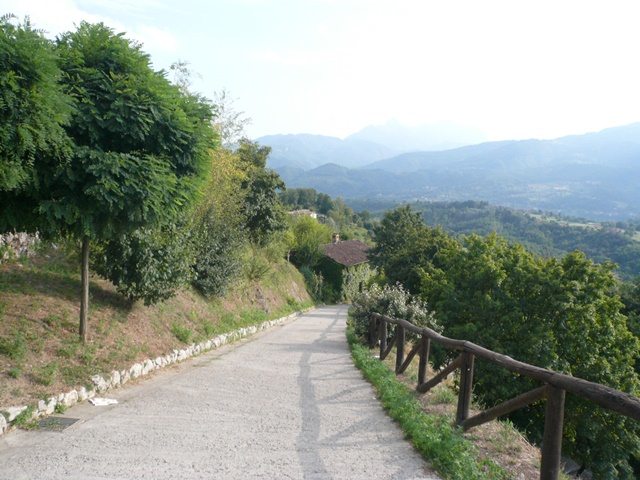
(286, 404)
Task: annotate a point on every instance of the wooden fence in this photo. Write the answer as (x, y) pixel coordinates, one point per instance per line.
(553, 389)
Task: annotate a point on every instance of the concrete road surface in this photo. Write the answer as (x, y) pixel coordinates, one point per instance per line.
(287, 403)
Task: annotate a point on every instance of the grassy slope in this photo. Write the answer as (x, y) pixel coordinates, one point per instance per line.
(39, 305)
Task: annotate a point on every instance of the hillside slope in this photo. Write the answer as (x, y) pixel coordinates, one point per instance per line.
(40, 354)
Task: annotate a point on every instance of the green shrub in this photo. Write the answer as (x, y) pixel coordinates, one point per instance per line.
(255, 266)
(148, 264)
(14, 372)
(217, 239)
(181, 332)
(391, 300)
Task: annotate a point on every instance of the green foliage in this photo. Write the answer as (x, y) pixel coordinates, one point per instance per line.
(313, 281)
(181, 332)
(440, 443)
(148, 264)
(217, 239)
(46, 374)
(14, 372)
(32, 105)
(405, 248)
(557, 314)
(14, 347)
(308, 237)
(391, 300)
(25, 420)
(355, 279)
(60, 408)
(255, 266)
(263, 212)
(541, 233)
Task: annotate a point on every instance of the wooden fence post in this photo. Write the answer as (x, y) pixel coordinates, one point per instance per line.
(466, 386)
(425, 347)
(373, 331)
(552, 438)
(400, 336)
(382, 332)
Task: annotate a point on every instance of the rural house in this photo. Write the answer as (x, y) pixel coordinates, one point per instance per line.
(345, 266)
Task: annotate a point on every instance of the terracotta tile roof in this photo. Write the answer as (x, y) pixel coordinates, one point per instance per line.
(347, 253)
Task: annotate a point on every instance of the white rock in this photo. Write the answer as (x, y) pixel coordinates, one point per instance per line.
(207, 345)
(115, 378)
(61, 397)
(159, 362)
(13, 412)
(3, 425)
(136, 370)
(100, 383)
(125, 376)
(91, 393)
(70, 398)
(182, 354)
(51, 405)
(82, 394)
(147, 366)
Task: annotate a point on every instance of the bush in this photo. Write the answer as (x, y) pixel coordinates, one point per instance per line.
(148, 264)
(216, 239)
(391, 300)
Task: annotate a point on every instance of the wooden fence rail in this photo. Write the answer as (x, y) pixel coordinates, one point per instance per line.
(553, 390)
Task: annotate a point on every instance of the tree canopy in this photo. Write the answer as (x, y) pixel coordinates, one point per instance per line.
(562, 314)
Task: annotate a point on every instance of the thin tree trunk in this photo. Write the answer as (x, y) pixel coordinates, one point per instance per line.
(84, 297)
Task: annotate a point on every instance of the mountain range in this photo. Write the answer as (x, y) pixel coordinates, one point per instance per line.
(595, 175)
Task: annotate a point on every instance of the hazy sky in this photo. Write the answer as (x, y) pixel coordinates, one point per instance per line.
(514, 69)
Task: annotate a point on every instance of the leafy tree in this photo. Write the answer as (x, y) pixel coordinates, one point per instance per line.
(33, 107)
(405, 247)
(557, 314)
(139, 146)
(218, 225)
(308, 235)
(33, 110)
(264, 214)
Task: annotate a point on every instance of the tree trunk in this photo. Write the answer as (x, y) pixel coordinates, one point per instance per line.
(84, 297)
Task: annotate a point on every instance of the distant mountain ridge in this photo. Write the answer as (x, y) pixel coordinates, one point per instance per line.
(431, 137)
(596, 175)
(309, 151)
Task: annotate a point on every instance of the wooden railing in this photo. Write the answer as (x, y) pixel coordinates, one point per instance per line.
(553, 389)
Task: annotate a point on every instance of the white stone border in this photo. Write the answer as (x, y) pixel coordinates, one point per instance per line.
(118, 378)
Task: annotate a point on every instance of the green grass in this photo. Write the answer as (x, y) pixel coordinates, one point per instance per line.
(25, 419)
(181, 332)
(46, 375)
(14, 347)
(439, 442)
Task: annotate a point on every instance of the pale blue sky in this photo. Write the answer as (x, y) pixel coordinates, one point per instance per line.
(512, 68)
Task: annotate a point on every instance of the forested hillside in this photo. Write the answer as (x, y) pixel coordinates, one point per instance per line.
(540, 232)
